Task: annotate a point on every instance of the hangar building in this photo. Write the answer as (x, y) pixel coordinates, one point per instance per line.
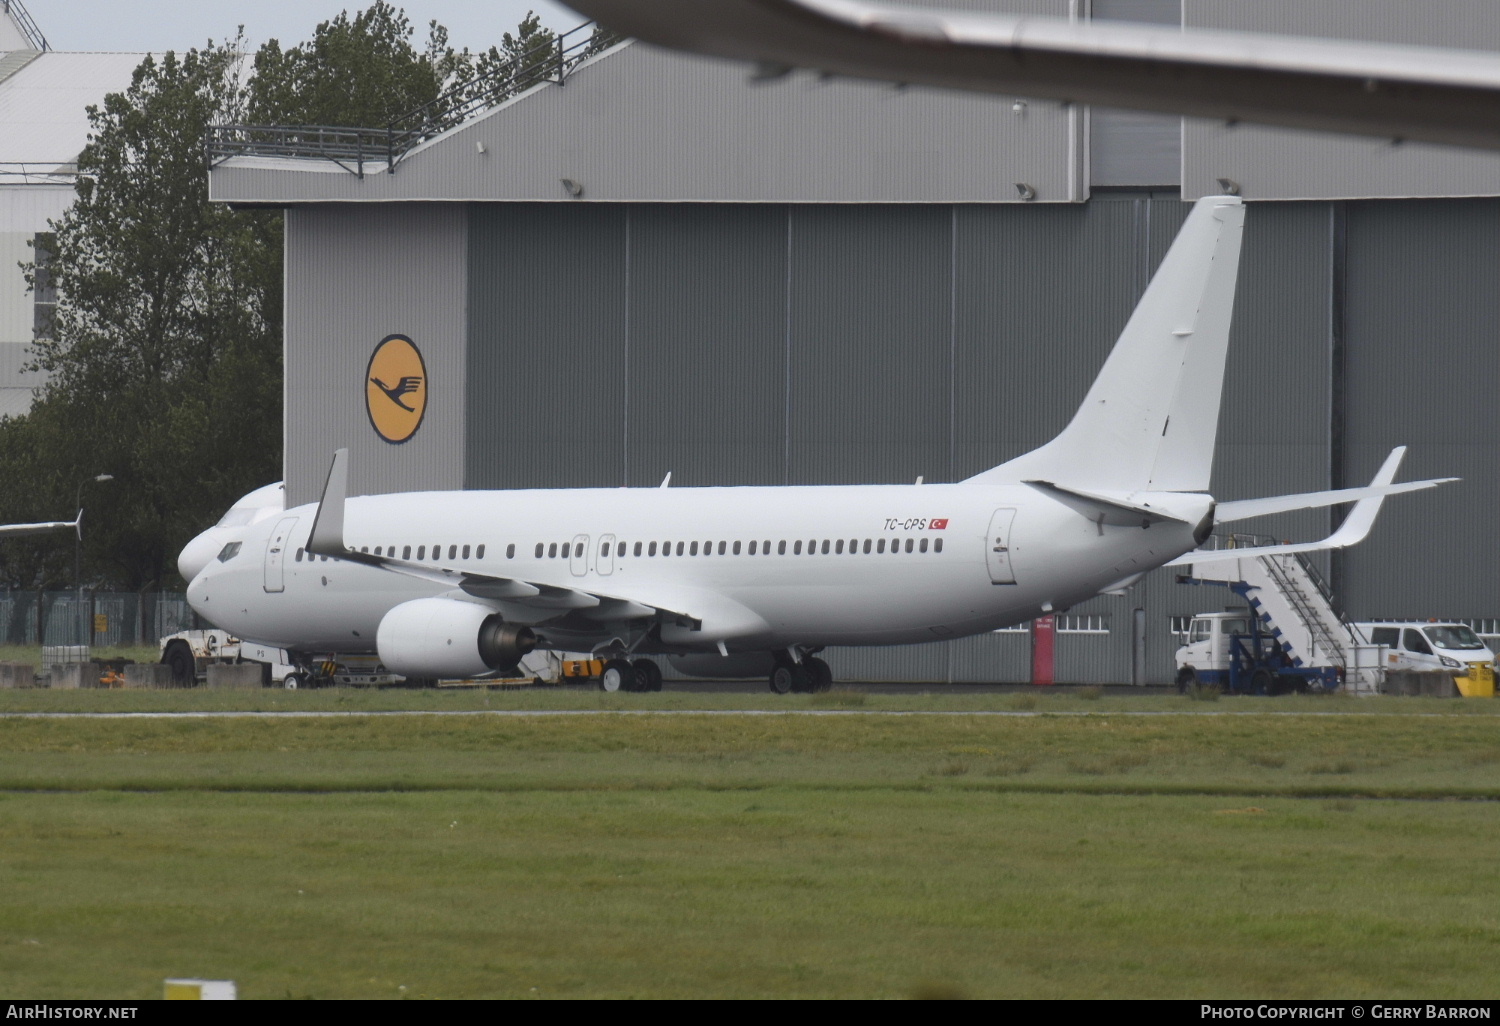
(652, 265)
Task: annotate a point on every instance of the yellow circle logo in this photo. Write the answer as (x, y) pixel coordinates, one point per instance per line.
(396, 389)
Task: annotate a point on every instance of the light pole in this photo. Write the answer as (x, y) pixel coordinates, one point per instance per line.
(78, 549)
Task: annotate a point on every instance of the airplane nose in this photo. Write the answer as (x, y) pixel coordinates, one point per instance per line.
(198, 553)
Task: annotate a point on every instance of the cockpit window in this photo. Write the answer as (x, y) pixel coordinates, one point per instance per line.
(237, 518)
(229, 551)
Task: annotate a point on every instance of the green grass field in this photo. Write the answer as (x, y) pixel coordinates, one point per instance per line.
(685, 855)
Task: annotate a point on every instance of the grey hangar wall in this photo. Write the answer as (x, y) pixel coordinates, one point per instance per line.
(589, 344)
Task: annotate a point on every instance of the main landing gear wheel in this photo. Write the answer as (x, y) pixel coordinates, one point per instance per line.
(822, 676)
(786, 678)
(647, 675)
(618, 675)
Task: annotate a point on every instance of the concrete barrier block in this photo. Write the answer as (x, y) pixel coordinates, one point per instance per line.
(234, 675)
(17, 675)
(147, 675)
(74, 675)
(1438, 685)
(1414, 684)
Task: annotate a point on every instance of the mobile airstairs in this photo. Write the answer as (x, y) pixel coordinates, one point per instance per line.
(1295, 605)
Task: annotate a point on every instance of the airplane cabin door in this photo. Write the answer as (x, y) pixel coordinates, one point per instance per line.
(606, 563)
(276, 547)
(997, 547)
(579, 563)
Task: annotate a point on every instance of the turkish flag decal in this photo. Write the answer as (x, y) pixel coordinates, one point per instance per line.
(940, 524)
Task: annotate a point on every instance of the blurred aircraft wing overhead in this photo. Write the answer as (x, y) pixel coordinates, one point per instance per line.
(1425, 94)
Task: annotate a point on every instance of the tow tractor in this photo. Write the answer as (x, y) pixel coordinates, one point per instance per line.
(1230, 651)
(190, 653)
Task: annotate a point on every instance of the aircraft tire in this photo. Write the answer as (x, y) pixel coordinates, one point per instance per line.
(180, 658)
(802, 680)
(783, 679)
(821, 674)
(647, 675)
(618, 675)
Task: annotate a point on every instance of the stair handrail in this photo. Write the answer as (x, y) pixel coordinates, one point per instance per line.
(28, 27)
(1314, 623)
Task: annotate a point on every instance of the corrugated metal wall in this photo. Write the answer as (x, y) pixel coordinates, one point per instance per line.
(353, 276)
(1131, 147)
(1283, 164)
(1422, 364)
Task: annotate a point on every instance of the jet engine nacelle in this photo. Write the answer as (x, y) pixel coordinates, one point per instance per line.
(445, 638)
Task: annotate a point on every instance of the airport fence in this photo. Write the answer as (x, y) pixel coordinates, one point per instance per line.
(98, 618)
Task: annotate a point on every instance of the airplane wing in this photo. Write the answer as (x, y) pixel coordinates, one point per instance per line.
(1427, 94)
(327, 539)
(22, 530)
(1352, 531)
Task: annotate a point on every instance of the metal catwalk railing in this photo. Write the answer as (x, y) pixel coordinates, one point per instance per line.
(355, 149)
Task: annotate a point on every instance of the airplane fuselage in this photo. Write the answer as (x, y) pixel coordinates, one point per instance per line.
(749, 568)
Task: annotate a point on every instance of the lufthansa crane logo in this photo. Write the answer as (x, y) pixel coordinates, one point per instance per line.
(396, 389)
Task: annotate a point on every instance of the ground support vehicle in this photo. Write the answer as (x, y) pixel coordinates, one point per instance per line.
(1233, 652)
(1451, 648)
(190, 653)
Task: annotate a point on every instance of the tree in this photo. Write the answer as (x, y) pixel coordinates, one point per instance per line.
(360, 72)
(165, 355)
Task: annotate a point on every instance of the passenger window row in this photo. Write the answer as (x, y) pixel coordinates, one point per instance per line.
(567, 550)
(454, 552)
(835, 546)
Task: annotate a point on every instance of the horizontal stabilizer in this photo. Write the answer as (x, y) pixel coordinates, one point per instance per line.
(1247, 508)
(1351, 532)
(1115, 511)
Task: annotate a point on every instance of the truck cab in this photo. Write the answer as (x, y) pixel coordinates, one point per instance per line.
(1446, 647)
(1205, 648)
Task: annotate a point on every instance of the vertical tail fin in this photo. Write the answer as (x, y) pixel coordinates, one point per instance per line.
(1149, 421)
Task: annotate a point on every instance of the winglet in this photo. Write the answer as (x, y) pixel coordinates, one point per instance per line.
(1362, 517)
(78, 523)
(327, 537)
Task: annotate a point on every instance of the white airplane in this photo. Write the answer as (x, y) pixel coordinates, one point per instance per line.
(462, 584)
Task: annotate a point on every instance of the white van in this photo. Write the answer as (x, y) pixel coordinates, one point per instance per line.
(1450, 647)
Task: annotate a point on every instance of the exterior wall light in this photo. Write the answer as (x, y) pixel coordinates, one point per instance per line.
(572, 188)
(1026, 192)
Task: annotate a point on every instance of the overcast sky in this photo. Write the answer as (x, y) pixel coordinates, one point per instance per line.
(156, 25)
